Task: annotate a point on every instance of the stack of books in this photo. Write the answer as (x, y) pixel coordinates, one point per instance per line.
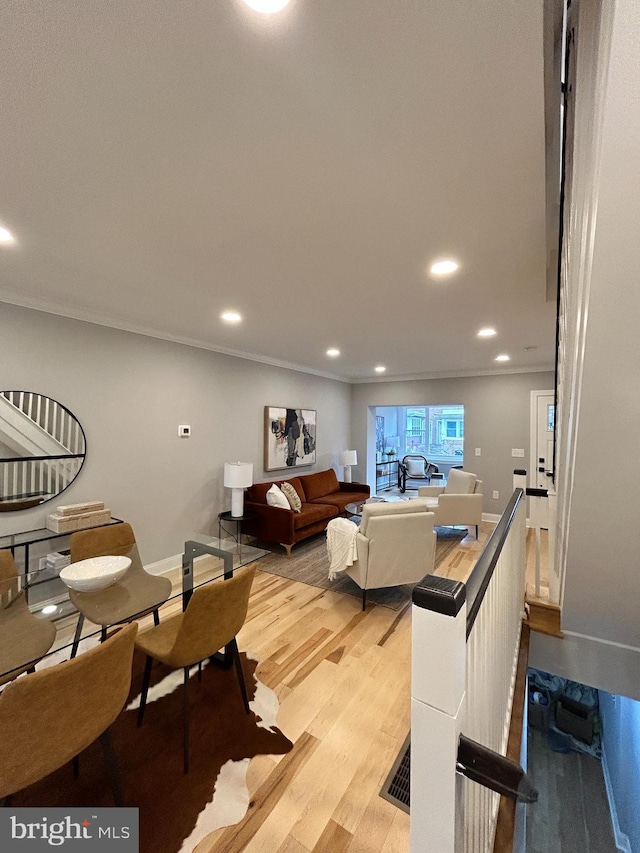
(73, 517)
(55, 561)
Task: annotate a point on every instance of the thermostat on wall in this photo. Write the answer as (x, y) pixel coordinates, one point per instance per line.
(184, 430)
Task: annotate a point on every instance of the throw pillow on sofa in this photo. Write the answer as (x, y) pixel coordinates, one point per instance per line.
(276, 497)
(292, 496)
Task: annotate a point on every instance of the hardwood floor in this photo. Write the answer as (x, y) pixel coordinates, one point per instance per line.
(343, 681)
(544, 564)
(572, 813)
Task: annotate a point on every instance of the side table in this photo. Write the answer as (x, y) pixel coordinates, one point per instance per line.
(224, 517)
(24, 540)
(386, 474)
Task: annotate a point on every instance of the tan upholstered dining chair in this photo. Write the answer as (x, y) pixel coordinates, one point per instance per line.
(24, 638)
(214, 615)
(49, 717)
(135, 595)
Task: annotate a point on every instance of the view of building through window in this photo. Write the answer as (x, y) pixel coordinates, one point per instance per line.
(436, 432)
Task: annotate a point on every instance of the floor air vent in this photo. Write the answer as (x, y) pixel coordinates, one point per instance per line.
(396, 787)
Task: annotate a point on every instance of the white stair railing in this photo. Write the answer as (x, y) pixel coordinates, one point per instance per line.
(466, 638)
(45, 444)
(50, 418)
(542, 516)
(22, 478)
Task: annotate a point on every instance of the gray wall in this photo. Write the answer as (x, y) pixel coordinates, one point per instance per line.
(599, 365)
(496, 420)
(621, 761)
(602, 568)
(130, 392)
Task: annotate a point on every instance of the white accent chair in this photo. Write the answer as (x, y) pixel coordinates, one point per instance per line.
(457, 503)
(395, 544)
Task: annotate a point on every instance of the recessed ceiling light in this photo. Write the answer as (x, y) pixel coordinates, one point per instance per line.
(268, 7)
(333, 353)
(503, 358)
(231, 317)
(486, 333)
(49, 609)
(6, 237)
(380, 368)
(443, 267)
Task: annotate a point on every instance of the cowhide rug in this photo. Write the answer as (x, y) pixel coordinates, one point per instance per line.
(176, 810)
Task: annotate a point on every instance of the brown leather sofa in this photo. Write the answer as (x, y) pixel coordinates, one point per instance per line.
(323, 497)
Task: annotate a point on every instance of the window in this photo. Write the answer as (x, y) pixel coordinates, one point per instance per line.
(551, 417)
(436, 432)
(415, 431)
(451, 429)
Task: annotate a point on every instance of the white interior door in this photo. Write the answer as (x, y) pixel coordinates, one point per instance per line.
(541, 462)
(542, 441)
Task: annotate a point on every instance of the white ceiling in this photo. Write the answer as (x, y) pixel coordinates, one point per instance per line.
(164, 160)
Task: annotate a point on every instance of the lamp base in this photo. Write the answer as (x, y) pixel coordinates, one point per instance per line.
(237, 503)
(347, 473)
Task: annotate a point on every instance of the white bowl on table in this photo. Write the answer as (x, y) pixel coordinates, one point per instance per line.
(95, 573)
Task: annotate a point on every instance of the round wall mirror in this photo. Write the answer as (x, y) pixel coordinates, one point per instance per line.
(42, 449)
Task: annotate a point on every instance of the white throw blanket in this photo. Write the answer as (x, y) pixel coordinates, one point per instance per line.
(341, 545)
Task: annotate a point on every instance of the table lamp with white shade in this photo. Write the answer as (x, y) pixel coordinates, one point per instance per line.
(238, 476)
(347, 459)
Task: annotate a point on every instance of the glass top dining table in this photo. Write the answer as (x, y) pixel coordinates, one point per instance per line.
(42, 597)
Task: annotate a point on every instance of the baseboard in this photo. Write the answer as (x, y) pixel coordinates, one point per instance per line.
(622, 840)
(161, 567)
(493, 517)
(611, 643)
(601, 663)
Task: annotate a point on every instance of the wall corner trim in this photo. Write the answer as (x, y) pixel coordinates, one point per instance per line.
(622, 839)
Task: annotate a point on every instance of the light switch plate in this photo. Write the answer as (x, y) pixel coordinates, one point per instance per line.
(184, 430)
(518, 451)
(478, 451)
(496, 495)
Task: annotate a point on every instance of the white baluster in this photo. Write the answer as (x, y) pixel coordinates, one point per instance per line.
(464, 686)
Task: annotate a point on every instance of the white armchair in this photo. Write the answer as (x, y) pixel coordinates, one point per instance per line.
(457, 503)
(395, 544)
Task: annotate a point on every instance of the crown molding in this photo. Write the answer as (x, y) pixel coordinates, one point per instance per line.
(87, 316)
(451, 374)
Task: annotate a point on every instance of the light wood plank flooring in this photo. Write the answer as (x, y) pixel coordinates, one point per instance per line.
(343, 680)
(544, 564)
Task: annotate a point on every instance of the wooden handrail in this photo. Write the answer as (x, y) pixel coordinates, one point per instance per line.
(479, 579)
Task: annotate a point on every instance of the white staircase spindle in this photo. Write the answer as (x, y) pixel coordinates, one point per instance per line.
(464, 684)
